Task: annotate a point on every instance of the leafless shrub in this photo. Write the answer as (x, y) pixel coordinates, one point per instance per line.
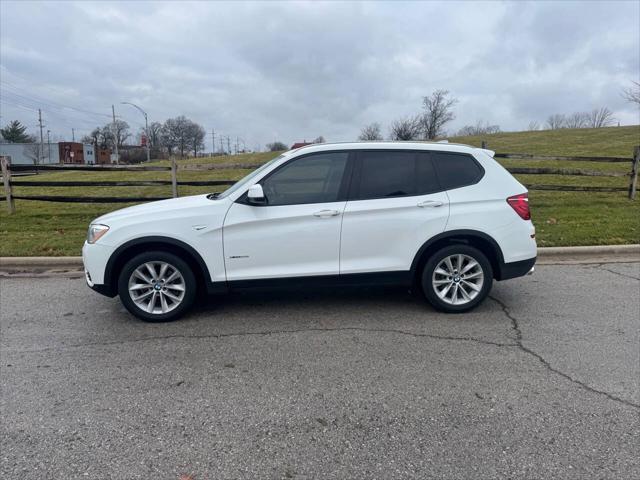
(556, 121)
(370, 133)
(600, 117)
(577, 120)
(480, 128)
(408, 128)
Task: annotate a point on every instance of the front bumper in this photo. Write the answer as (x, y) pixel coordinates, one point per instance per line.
(95, 258)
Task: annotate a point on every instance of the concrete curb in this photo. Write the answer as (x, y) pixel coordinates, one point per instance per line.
(596, 250)
(546, 255)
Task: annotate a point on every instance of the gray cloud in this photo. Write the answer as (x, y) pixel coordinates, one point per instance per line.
(298, 70)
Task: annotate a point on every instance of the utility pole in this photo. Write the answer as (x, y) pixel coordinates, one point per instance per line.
(229, 144)
(41, 155)
(236, 144)
(115, 138)
(146, 126)
(73, 134)
(49, 145)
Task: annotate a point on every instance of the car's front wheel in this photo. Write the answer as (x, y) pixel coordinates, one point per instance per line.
(457, 278)
(157, 286)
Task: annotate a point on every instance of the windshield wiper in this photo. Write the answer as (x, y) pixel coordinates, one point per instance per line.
(213, 196)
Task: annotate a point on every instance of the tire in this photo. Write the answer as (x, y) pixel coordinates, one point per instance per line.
(173, 293)
(470, 287)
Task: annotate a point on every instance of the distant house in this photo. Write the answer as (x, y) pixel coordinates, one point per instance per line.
(71, 152)
(300, 144)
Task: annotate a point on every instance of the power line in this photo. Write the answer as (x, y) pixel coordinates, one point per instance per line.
(18, 91)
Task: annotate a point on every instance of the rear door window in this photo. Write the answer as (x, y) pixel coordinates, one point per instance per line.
(388, 174)
(456, 170)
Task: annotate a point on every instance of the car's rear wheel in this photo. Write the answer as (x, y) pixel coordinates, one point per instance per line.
(157, 286)
(457, 278)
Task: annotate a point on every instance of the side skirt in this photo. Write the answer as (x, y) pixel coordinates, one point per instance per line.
(398, 278)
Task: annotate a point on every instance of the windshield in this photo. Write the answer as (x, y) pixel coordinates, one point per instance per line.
(243, 181)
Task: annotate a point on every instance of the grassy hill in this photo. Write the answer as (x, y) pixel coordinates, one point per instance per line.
(605, 142)
(561, 218)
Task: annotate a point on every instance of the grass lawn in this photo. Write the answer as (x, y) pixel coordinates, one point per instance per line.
(561, 218)
(601, 142)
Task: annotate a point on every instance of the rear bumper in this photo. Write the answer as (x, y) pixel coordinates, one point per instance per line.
(515, 269)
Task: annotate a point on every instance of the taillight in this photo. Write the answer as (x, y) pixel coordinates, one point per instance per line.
(520, 203)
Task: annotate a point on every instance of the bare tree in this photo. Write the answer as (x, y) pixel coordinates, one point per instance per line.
(632, 93)
(87, 139)
(95, 138)
(600, 117)
(556, 121)
(577, 120)
(370, 133)
(155, 134)
(320, 139)
(196, 136)
(480, 128)
(437, 113)
(176, 134)
(408, 128)
(34, 152)
(533, 125)
(121, 131)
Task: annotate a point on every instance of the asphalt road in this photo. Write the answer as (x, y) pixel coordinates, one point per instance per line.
(541, 381)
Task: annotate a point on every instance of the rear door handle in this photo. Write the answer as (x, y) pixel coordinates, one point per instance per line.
(430, 203)
(326, 213)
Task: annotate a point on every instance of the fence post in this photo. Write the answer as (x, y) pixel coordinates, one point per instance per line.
(633, 182)
(6, 178)
(174, 177)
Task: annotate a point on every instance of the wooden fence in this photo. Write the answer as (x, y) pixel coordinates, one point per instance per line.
(10, 198)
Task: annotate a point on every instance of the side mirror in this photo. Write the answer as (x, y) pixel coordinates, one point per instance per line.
(255, 195)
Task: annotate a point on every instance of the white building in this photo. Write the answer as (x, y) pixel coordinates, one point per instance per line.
(89, 154)
(28, 153)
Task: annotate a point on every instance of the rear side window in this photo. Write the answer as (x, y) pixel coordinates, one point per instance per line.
(387, 174)
(456, 170)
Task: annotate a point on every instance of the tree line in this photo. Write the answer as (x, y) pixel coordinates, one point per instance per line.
(437, 112)
(429, 124)
(176, 135)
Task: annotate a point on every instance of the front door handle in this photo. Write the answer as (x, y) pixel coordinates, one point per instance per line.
(326, 213)
(430, 203)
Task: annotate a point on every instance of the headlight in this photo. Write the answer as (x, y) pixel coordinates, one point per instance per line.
(96, 231)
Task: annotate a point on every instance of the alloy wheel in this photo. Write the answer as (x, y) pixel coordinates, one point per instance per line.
(157, 287)
(458, 279)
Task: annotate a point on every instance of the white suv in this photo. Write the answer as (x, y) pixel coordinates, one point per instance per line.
(446, 218)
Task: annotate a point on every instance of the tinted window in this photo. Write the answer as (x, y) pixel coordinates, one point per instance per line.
(313, 179)
(426, 175)
(456, 170)
(388, 174)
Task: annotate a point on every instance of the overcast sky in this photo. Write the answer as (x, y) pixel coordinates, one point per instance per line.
(293, 71)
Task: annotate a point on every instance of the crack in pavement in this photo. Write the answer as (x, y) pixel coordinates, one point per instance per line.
(601, 267)
(274, 332)
(516, 327)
